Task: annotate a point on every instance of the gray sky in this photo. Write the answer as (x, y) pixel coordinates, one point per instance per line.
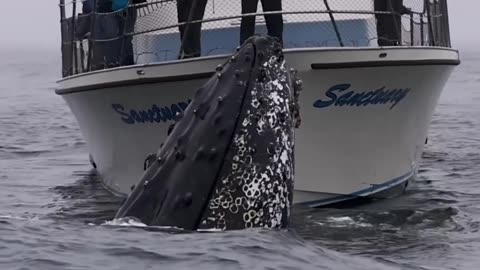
(34, 23)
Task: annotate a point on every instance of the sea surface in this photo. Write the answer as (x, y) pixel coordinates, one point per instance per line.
(54, 213)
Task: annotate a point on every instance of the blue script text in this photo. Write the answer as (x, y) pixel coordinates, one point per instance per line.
(155, 114)
(357, 98)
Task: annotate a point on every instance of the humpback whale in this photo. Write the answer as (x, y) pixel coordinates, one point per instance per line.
(228, 161)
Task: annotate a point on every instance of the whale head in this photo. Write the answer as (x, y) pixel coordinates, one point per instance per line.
(228, 163)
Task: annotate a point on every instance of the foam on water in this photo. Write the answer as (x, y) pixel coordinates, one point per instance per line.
(342, 222)
(125, 222)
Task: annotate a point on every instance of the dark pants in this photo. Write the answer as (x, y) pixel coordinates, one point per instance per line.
(274, 22)
(87, 6)
(112, 36)
(389, 26)
(112, 45)
(128, 57)
(190, 34)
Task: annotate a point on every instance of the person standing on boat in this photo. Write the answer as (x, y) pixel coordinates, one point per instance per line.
(129, 17)
(274, 21)
(190, 34)
(87, 6)
(82, 24)
(114, 27)
(389, 26)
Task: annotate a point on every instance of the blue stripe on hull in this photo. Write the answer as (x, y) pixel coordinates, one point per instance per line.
(362, 193)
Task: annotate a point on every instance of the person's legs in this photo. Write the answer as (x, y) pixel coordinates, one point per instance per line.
(195, 31)
(383, 36)
(397, 9)
(381, 20)
(182, 14)
(389, 30)
(379, 5)
(128, 55)
(274, 21)
(247, 26)
(190, 38)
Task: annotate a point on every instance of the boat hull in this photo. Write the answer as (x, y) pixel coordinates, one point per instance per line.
(365, 116)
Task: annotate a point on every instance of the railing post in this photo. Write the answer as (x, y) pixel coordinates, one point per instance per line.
(62, 34)
(188, 25)
(62, 9)
(422, 32)
(82, 58)
(124, 30)
(412, 36)
(435, 22)
(446, 23)
(430, 27)
(91, 41)
(334, 23)
(73, 48)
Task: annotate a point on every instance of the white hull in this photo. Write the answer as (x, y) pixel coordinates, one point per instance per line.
(357, 149)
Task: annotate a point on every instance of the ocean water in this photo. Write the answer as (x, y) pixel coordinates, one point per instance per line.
(54, 214)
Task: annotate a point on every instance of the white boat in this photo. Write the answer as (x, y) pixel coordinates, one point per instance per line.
(365, 109)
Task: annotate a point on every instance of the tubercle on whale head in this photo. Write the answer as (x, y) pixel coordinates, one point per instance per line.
(201, 160)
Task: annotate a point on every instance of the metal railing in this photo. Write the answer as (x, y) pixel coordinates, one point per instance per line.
(149, 31)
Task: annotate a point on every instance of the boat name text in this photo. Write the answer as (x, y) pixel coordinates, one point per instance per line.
(155, 114)
(354, 98)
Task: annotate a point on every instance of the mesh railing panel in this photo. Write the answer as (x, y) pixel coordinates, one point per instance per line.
(148, 31)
